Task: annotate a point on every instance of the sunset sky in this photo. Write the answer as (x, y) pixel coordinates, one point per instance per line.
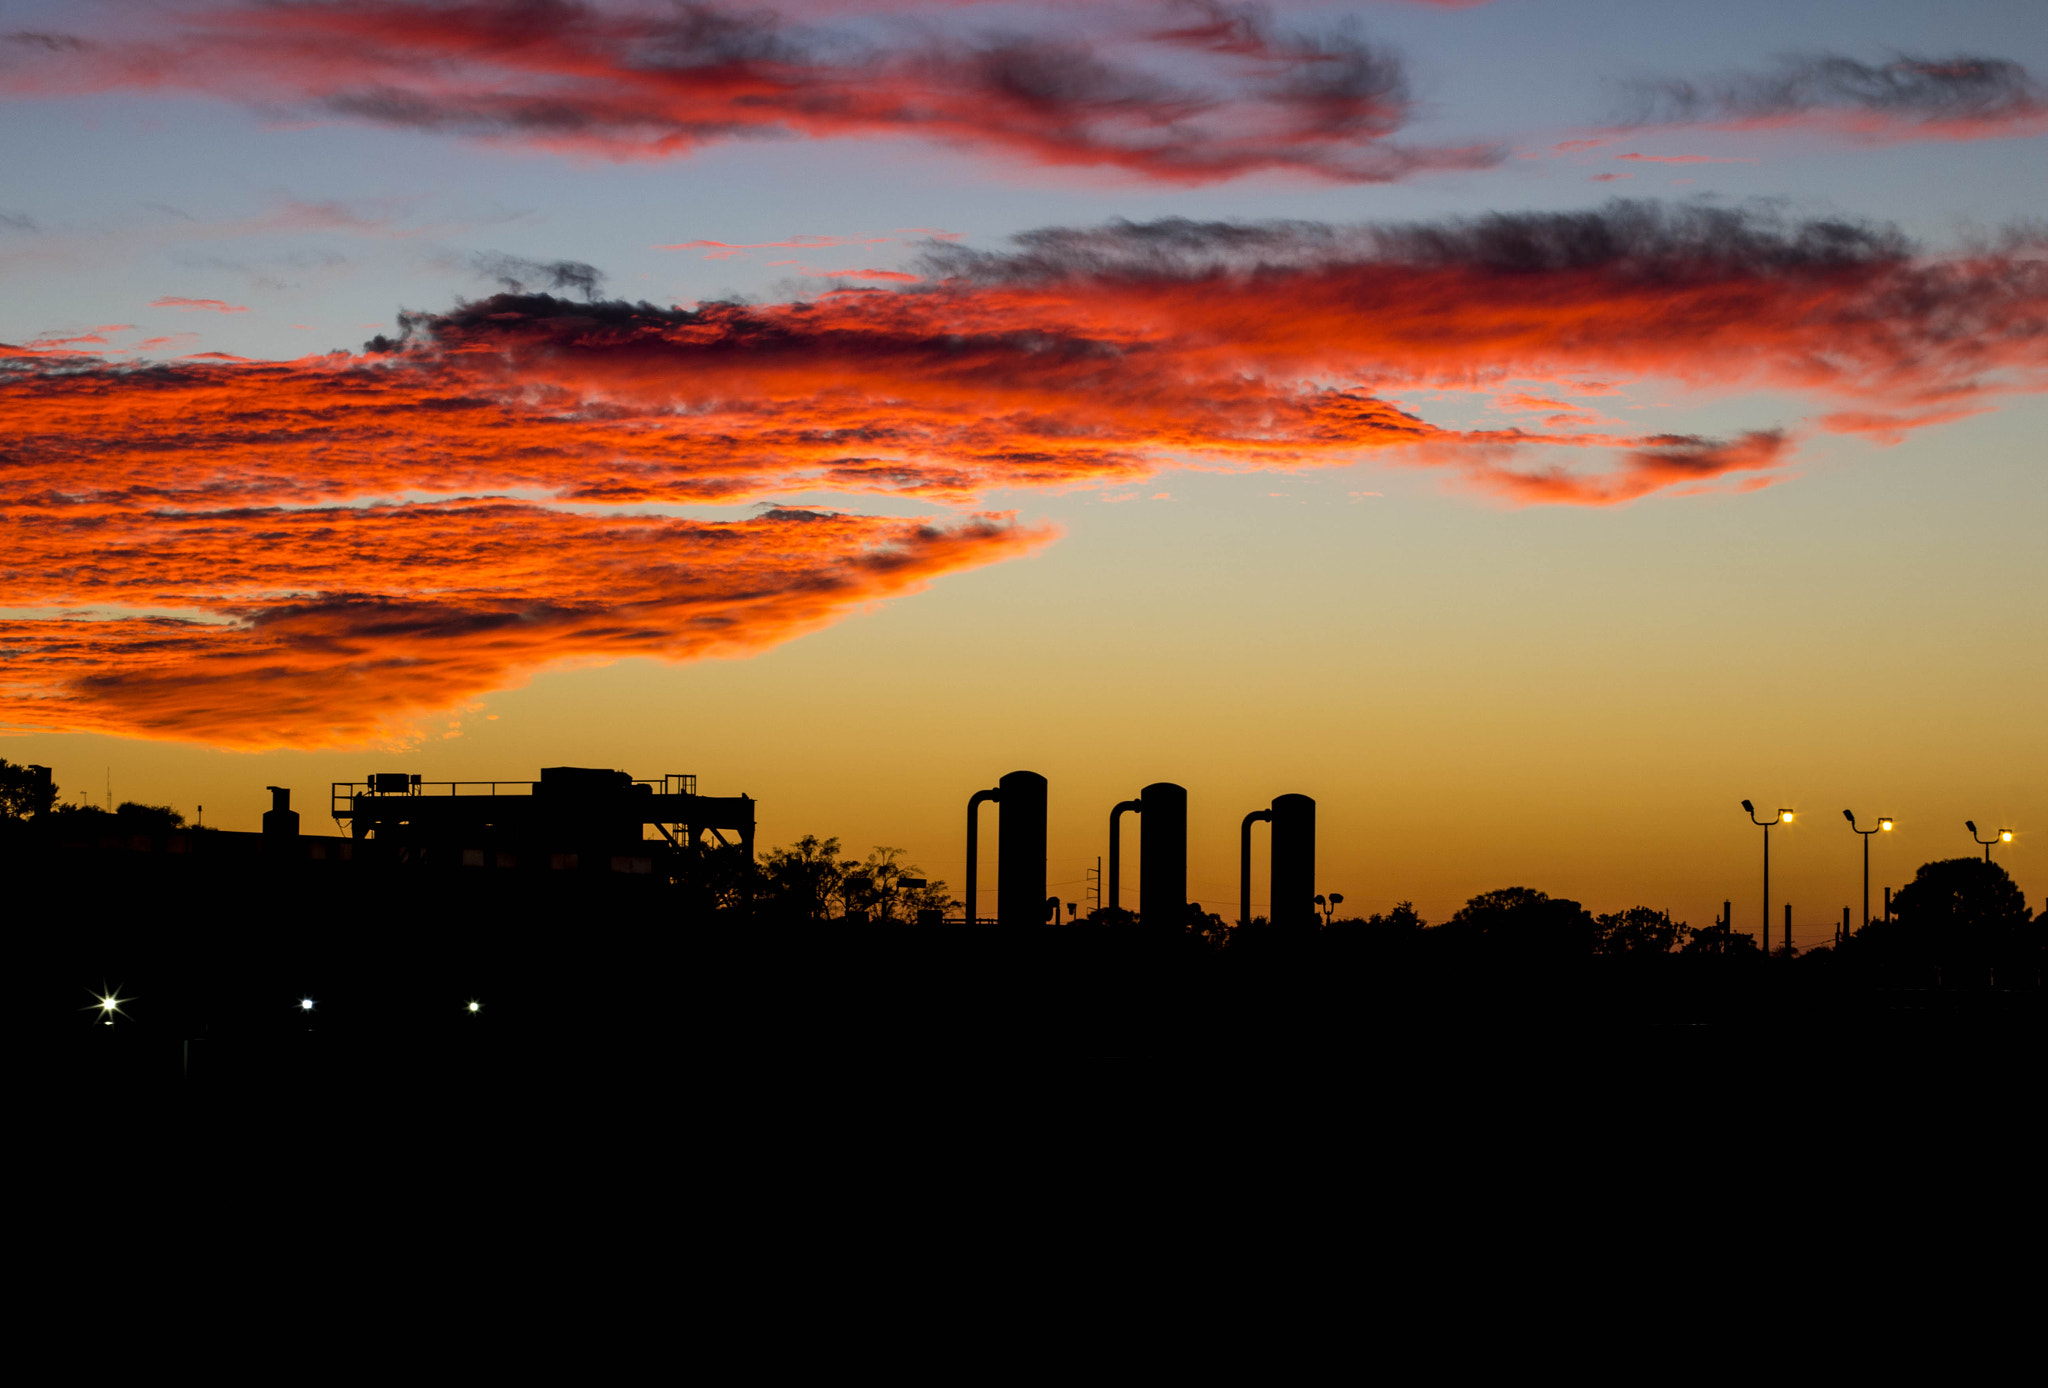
(1529, 427)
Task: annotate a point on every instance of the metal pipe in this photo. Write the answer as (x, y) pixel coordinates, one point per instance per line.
(1163, 839)
(1116, 851)
(1244, 863)
(974, 802)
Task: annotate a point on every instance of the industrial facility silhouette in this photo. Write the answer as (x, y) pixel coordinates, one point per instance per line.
(535, 913)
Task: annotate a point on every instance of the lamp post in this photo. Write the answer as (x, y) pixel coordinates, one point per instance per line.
(1784, 816)
(1884, 823)
(2004, 836)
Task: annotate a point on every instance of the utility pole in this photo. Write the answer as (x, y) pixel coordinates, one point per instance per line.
(1788, 930)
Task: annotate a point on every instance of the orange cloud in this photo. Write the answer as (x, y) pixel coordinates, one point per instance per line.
(893, 276)
(373, 536)
(345, 625)
(650, 83)
(210, 305)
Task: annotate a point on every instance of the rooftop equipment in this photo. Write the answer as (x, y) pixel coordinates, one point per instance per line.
(568, 806)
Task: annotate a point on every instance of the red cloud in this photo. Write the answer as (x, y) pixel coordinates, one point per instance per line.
(210, 305)
(627, 84)
(259, 494)
(894, 276)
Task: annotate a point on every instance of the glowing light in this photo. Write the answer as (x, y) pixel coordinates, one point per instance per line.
(305, 1004)
(108, 1005)
(476, 1007)
(1785, 816)
(2005, 836)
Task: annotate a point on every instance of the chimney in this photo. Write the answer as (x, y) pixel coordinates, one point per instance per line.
(280, 820)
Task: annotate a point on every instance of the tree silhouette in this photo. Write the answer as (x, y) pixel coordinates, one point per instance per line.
(1521, 924)
(1640, 930)
(23, 792)
(1958, 915)
(810, 883)
(803, 881)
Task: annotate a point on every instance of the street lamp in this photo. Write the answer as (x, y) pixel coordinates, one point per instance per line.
(2004, 836)
(1783, 816)
(1329, 906)
(1884, 823)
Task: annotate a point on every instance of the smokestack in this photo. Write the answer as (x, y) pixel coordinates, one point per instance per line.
(1163, 846)
(1294, 860)
(1020, 851)
(280, 820)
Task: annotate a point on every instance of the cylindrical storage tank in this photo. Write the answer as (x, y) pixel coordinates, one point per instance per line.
(1294, 860)
(1020, 851)
(1163, 854)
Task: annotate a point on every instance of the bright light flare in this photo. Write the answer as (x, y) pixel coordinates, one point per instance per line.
(305, 1004)
(476, 1007)
(108, 1005)
(1784, 816)
(2005, 836)
(1884, 824)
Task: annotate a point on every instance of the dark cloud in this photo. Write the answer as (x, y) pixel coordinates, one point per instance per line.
(1957, 96)
(16, 221)
(520, 275)
(48, 43)
(1643, 238)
